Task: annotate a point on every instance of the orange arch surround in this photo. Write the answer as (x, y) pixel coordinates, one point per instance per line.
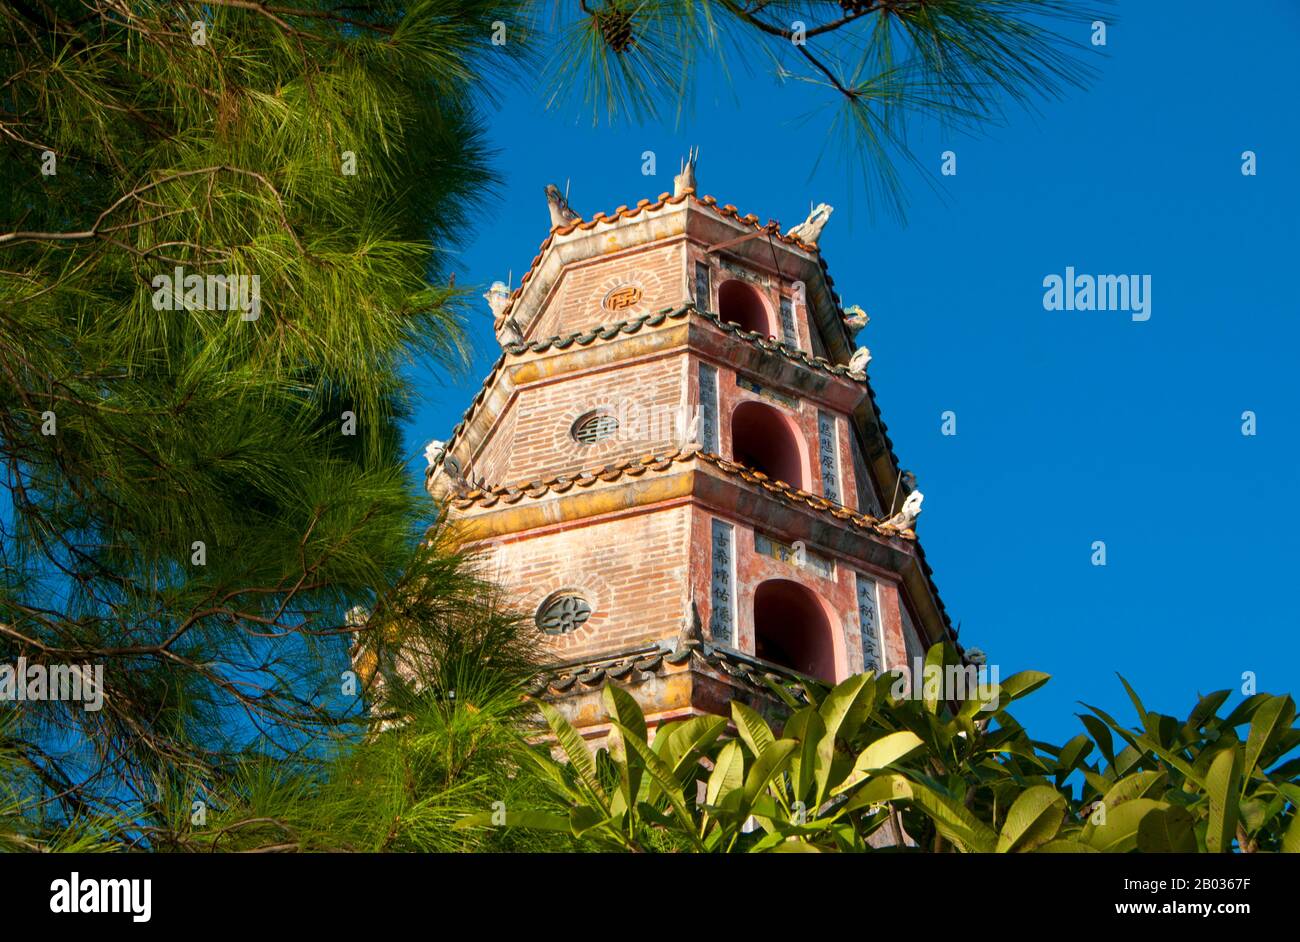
(794, 628)
(766, 440)
(740, 303)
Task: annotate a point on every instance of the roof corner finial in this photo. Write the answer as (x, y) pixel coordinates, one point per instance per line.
(810, 230)
(691, 634)
(858, 362)
(558, 204)
(855, 318)
(905, 519)
(498, 298)
(507, 328)
(685, 180)
(690, 438)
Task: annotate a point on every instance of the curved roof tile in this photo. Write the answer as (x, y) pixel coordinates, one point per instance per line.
(586, 337)
(635, 467)
(756, 674)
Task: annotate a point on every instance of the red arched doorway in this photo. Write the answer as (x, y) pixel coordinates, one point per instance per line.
(765, 440)
(792, 628)
(740, 303)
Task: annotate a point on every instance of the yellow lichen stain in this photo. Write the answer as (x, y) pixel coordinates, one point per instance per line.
(587, 714)
(676, 690)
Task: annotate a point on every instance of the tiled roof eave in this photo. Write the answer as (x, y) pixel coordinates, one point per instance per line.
(613, 331)
(560, 680)
(509, 494)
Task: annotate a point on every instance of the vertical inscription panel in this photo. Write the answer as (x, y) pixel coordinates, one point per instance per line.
(702, 298)
(722, 593)
(869, 623)
(709, 409)
(828, 455)
(788, 335)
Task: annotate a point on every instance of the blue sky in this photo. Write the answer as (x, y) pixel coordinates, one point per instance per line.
(1072, 426)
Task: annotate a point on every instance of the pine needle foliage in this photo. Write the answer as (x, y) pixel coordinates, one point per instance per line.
(195, 498)
(870, 66)
(448, 739)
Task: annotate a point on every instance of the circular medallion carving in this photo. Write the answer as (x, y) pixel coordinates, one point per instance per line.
(563, 613)
(594, 426)
(622, 298)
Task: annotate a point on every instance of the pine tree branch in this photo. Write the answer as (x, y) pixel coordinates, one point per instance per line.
(95, 230)
(275, 14)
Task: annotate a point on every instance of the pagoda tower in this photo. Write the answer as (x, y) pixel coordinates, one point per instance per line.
(678, 468)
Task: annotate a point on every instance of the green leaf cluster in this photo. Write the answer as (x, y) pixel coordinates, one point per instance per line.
(861, 767)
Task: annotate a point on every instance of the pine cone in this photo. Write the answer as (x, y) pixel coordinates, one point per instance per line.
(616, 28)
